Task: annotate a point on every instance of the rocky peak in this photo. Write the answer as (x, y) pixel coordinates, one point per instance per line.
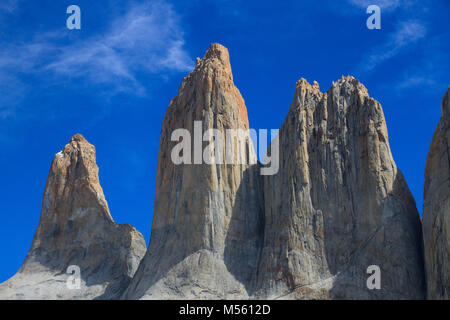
(76, 229)
(74, 174)
(218, 53)
(79, 138)
(212, 80)
(305, 94)
(216, 60)
(350, 84)
(207, 222)
(338, 204)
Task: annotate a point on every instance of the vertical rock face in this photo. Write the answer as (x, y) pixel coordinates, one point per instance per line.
(76, 228)
(208, 218)
(436, 209)
(338, 203)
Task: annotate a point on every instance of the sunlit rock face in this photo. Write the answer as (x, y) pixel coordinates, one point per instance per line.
(208, 218)
(338, 203)
(76, 228)
(436, 208)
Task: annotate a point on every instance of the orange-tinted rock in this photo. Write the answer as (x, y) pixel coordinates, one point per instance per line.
(207, 223)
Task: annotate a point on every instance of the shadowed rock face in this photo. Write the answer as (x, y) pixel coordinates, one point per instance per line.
(208, 219)
(338, 203)
(76, 228)
(436, 209)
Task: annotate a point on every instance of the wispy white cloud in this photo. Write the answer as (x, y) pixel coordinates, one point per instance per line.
(385, 5)
(8, 5)
(414, 32)
(147, 39)
(431, 71)
(407, 33)
(415, 80)
(358, 7)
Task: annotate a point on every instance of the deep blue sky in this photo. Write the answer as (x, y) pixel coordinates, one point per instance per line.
(113, 79)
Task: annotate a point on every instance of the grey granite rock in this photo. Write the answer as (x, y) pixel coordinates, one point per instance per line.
(436, 209)
(208, 219)
(76, 228)
(338, 204)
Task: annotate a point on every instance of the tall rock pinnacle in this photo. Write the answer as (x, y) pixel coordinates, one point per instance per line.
(76, 229)
(436, 209)
(338, 204)
(208, 218)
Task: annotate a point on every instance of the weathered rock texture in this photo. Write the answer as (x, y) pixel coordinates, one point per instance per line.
(436, 209)
(208, 219)
(76, 228)
(338, 203)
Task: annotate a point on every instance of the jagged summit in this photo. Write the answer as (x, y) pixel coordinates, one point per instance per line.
(78, 138)
(216, 57)
(218, 51)
(76, 229)
(307, 94)
(349, 80)
(212, 81)
(350, 83)
(74, 173)
(303, 83)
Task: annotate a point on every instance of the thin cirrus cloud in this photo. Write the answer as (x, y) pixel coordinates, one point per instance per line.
(8, 5)
(431, 70)
(406, 34)
(146, 40)
(413, 31)
(388, 5)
